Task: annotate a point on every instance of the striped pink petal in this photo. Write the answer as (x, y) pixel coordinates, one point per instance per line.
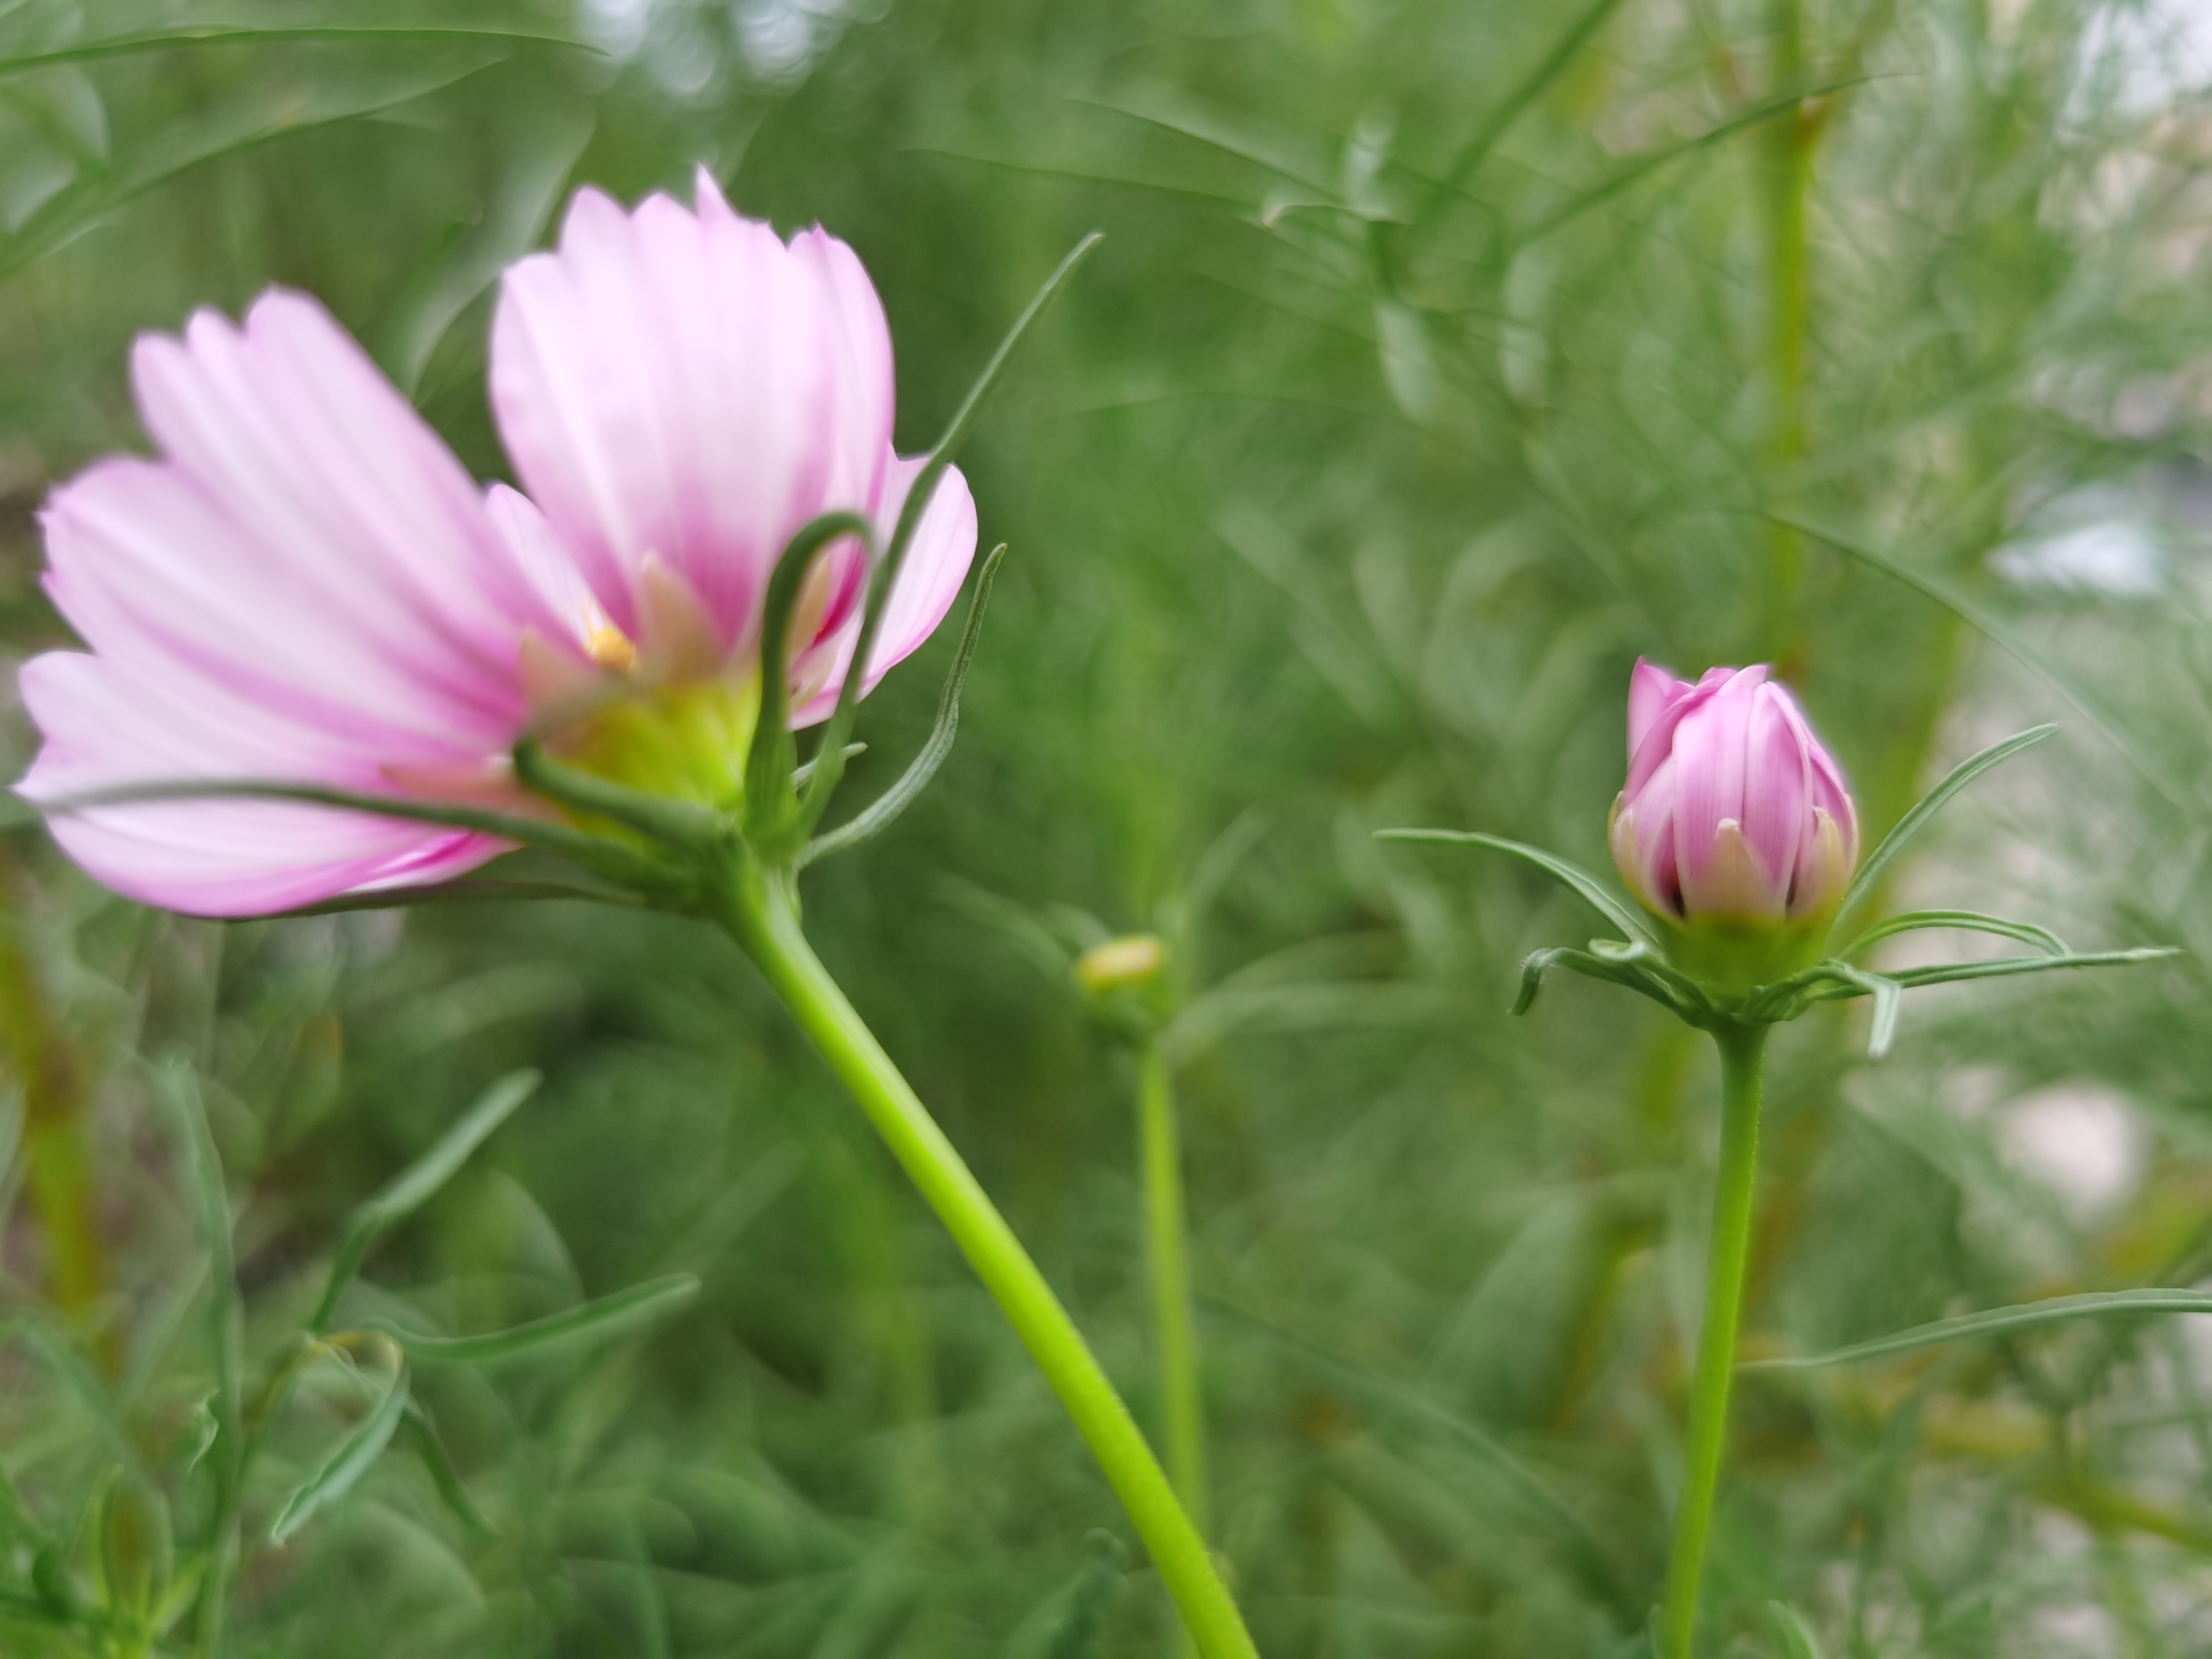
(680, 386)
(304, 588)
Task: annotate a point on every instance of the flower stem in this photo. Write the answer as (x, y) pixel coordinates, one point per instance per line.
(1743, 1055)
(762, 912)
(1183, 1409)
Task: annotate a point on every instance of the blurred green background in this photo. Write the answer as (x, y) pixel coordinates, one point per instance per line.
(1440, 360)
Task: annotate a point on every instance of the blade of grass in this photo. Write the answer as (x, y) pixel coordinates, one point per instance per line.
(343, 1466)
(2000, 1321)
(1871, 867)
(1577, 880)
(417, 1183)
(594, 1322)
(829, 766)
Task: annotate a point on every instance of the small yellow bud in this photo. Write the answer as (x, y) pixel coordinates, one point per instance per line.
(1120, 964)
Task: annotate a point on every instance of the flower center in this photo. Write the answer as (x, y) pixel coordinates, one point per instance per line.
(608, 646)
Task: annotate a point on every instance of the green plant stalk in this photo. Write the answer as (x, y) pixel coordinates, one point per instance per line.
(1167, 1234)
(1794, 141)
(761, 911)
(1743, 1057)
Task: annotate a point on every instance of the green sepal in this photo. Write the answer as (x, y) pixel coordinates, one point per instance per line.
(772, 804)
(877, 816)
(681, 825)
(831, 767)
(1637, 967)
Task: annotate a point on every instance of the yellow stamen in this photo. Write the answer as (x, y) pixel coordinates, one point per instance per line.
(609, 647)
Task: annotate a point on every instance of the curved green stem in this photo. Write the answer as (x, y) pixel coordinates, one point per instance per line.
(1743, 1055)
(1182, 1406)
(761, 910)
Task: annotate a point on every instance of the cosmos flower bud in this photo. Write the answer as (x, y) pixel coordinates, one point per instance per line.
(1133, 959)
(1734, 819)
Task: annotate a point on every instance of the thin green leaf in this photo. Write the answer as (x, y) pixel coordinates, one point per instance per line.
(343, 1466)
(2012, 644)
(1586, 886)
(422, 1436)
(2000, 1321)
(1871, 868)
(771, 800)
(1321, 1005)
(1075, 1634)
(2006, 967)
(1509, 109)
(595, 1322)
(1798, 1641)
(125, 46)
(1969, 921)
(1634, 172)
(70, 1368)
(1202, 127)
(896, 799)
(179, 1087)
(1593, 1561)
(230, 130)
(414, 1186)
(830, 766)
(466, 890)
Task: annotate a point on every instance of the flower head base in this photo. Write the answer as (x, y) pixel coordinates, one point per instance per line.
(1735, 826)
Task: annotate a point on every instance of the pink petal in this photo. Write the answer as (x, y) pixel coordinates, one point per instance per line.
(1659, 734)
(1709, 759)
(1650, 689)
(929, 580)
(1827, 793)
(1644, 842)
(228, 858)
(1776, 784)
(307, 588)
(683, 384)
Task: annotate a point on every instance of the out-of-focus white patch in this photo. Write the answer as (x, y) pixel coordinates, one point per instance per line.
(2143, 55)
(1407, 367)
(684, 57)
(618, 27)
(2069, 1628)
(782, 39)
(2084, 1140)
(2096, 540)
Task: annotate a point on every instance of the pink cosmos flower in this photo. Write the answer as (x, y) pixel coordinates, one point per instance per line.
(1732, 811)
(680, 392)
(305, 587)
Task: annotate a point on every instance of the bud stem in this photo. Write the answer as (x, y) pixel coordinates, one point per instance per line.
(1743, 1057)
(761, 910)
